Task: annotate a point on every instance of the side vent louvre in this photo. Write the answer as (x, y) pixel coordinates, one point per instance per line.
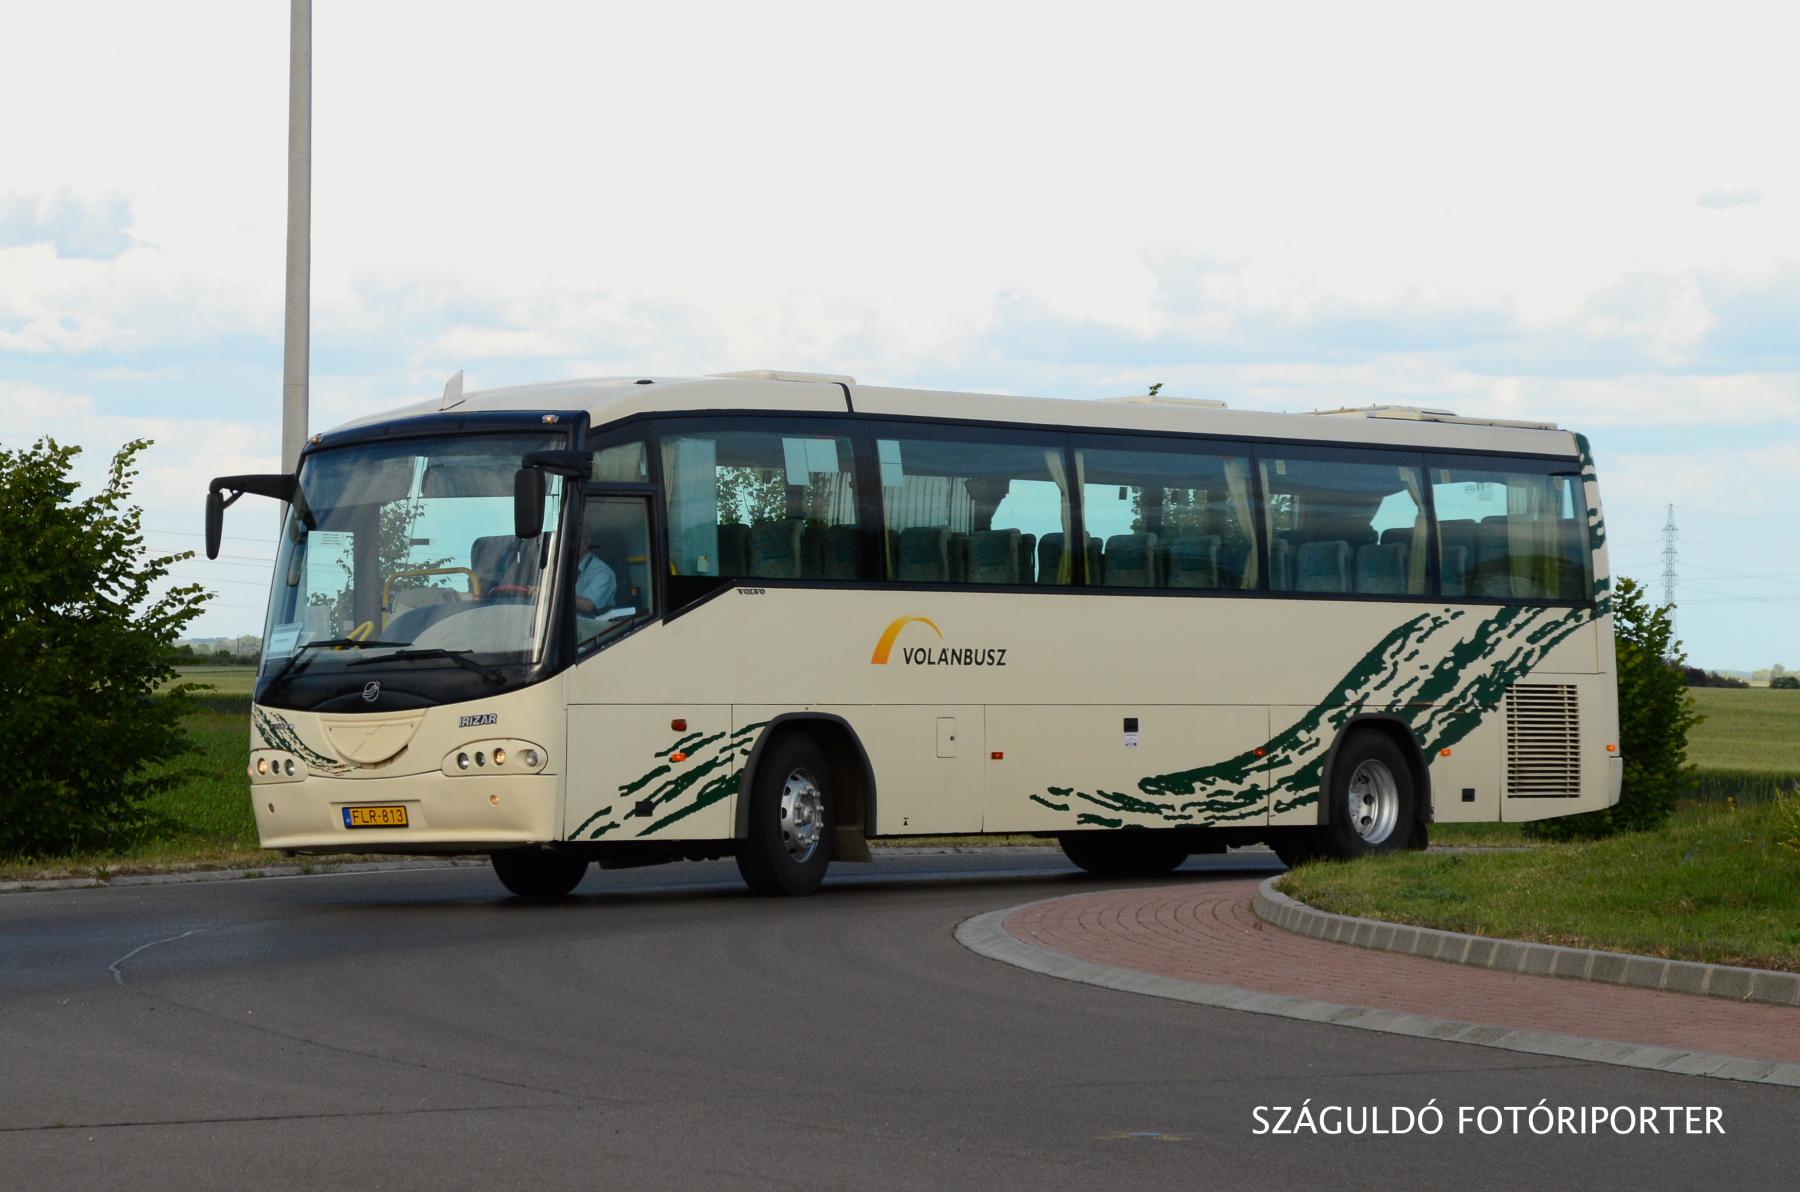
(1543, 741)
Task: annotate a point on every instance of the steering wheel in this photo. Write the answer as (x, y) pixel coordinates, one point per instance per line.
(509, 590)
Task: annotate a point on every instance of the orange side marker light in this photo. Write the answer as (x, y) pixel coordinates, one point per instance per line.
(1443, 753)
(679, 726)
(1259, 753)
(678, 757)
(996, 756)
(1612, 749)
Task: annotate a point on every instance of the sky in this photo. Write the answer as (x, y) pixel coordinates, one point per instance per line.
(1577, 212)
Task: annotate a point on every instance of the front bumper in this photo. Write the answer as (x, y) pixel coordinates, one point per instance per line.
(444, 814)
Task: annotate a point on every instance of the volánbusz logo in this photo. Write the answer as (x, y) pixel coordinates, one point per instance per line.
(933, 655)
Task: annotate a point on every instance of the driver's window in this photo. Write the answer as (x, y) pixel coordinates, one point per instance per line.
(612, 572)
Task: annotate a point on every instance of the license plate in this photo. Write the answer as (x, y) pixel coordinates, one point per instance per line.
(374, 817)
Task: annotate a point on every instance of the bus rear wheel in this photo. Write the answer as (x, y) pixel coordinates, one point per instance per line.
(1146, 853)
(537, 873)
(1371, 801)
(791, 820)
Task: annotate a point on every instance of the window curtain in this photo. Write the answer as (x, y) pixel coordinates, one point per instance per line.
(1053, 460)
(1416, 554)
(1237, 485)
(1531, 509)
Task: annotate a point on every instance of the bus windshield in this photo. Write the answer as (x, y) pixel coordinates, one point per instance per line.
(410, 544)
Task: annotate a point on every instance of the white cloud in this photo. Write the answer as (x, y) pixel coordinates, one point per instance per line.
(96, 228)
(1720, 200)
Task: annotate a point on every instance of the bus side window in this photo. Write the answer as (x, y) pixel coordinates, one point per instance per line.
(965, 505)
(622, 463)
(1345, 521)
(613, 589)
(1510, 530)
(779, 503)
(1164, 518)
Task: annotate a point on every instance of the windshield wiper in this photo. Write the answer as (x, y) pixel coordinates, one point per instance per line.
(287, 670)
(456, 656)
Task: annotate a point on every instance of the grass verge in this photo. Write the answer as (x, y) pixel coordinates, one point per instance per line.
(1713, 885)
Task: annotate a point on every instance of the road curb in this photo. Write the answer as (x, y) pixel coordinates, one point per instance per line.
(986, 935)
(234, 875)
(1535, 960)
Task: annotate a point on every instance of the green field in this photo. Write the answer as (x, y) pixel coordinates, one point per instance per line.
(1746, 729)
(1713, 885)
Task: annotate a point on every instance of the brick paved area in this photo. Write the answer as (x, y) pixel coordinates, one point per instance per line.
(1207, 933)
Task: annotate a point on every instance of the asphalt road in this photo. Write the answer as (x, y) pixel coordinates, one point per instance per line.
(663, 1029)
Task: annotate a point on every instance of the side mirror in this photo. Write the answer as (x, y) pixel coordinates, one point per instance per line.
(529, 485)
(529, 488)
(215, 522)
(282, 486)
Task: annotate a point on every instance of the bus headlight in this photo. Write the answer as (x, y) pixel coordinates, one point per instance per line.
(276, 765)
(503, 756)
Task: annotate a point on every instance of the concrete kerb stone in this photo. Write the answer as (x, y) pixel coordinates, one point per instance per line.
(986, 935)
(1516, 956)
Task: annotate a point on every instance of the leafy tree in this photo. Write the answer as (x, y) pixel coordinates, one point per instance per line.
(84, 643)
(1655, 714)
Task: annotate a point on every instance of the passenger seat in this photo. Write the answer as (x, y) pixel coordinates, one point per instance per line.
(1323, 567)
(775, 549)
(923, 555)
(994, 557)
(1381, 570)
(1130, 561)
(1191, 562)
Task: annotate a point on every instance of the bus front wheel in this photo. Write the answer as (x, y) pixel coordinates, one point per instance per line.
(538, 873)
(791, 820)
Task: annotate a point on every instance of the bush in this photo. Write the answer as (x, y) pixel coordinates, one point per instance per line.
(1655, 714)
(84, 643)
(1694, 676)
(1785, 682)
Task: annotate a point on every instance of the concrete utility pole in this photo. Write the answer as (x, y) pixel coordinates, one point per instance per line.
(296, 346)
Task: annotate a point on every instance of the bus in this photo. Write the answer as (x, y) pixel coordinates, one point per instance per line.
(774, 616)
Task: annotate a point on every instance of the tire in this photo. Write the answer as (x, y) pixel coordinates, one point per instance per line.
(1124, 853)
(538, 874)
(1372, 801)
(791, 820)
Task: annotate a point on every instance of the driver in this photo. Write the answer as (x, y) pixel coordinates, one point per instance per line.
(595, 583)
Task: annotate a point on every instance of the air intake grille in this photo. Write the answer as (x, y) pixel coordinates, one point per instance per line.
(1543, 741)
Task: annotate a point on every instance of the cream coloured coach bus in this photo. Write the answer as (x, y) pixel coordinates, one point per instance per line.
(774, 615)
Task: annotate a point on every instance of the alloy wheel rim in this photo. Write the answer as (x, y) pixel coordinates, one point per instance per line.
(802, 815)
(1374, 801)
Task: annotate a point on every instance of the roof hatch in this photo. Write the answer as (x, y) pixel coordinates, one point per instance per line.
(776, 374)
(1422, 414)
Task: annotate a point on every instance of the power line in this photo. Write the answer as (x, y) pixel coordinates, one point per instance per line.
(1670, 557)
